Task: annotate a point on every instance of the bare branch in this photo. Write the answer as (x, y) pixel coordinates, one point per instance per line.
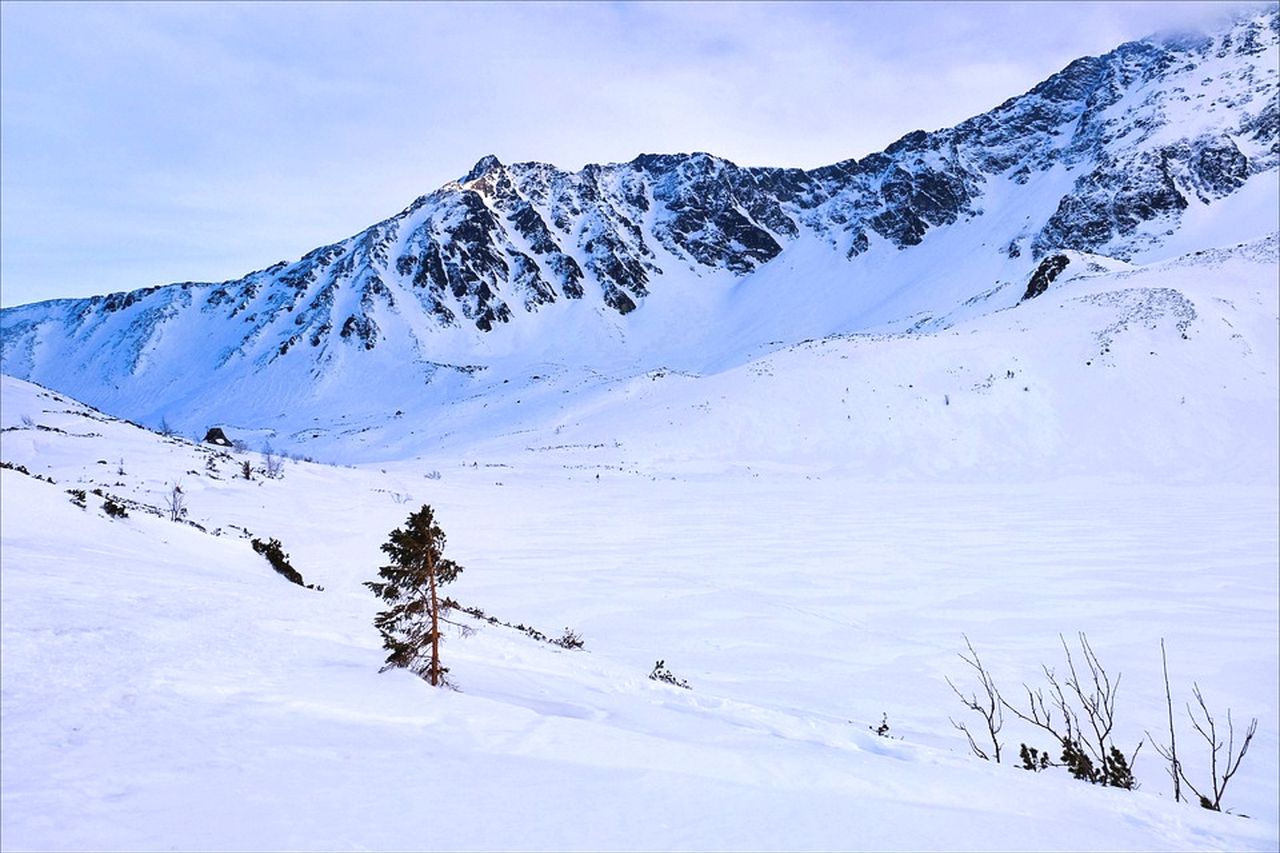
(1087, 690)
(977, 750)
(1038, 714)
(1208, 731)
(1233, 766)
(1172, 757)
(1099, 704)
(989, 706)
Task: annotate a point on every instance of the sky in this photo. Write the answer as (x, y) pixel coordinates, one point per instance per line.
(147, 143)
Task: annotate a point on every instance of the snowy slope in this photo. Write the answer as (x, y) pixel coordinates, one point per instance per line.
(1167, 371)
(1157, 149)
(163, 688)
(1193, 340)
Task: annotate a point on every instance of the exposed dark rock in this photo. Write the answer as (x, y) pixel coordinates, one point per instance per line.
(858, 245)
(483, 166)
(1044, 275)
(360, 328)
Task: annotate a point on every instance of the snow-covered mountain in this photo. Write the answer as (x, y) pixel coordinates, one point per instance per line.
(689, 262)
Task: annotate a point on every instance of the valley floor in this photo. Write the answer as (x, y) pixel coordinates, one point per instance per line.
(164, 689)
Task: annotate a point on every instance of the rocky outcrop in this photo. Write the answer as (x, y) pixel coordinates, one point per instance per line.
(1044, 275)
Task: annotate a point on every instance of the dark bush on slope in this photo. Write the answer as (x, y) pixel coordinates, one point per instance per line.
(279, 560)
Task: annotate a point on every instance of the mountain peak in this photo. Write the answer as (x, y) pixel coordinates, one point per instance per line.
(483, 166)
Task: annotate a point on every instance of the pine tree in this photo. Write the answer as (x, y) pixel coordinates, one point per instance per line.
(410, 628)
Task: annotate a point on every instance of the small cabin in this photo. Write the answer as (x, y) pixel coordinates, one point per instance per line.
(215, 435)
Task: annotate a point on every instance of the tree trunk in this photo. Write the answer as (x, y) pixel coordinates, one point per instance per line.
(433, 674)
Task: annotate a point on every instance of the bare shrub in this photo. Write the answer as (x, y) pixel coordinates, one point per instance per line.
(272, 463)
(570, 639)
(666, 676)
(987, 704)
(1079, 713)
(1206, 726)
(175, 502)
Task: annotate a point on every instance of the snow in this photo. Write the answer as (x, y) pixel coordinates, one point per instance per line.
(803, 489)
(1247, 214)
(806, 536)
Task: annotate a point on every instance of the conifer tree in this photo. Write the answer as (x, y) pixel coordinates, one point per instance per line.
(410, 627)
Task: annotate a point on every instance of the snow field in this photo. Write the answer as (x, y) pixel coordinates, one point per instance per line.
(162, 687)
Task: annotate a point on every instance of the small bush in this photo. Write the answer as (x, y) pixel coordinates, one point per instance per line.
(78, 497)
(21, 469)
(1033, 759)
(568, 640)
(114, 509)
(278, 559)
(661, 673)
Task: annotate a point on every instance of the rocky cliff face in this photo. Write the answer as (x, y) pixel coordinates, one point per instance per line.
(1115, 149)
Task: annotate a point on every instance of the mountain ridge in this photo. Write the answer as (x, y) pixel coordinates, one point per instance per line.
(686, 258)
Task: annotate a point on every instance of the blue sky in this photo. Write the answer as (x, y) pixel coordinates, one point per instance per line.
(145, 143)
